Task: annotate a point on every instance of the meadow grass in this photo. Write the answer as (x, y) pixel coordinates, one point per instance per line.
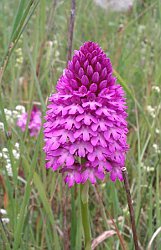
(33, 48)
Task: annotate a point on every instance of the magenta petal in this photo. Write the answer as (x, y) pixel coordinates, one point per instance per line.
(94, 60)
(73, 149)
(87, 120)
(89, 147)
(103, 73)
(69, 180)
(84, 176)
(77, 65)
(69, 74)
(86, 64)
(113, 176)
(55, 145)
(94, 140)
(81, 152)
(98, 67)
(83, 90)
(61, 159)
(108, 166)
(95, 77)
(100, 175)
(55, 166)
(89, 70)
(81, 72)
(69, 124)
(73, 84)
(92, 177)
(78, 177)
(94, 127)
(86, 136)
(63, 138)
(84, 80)
(103, 84)
(91, 156)
(49, 164)
(116, 173)
(77, 134)
(93, 87)
(70, 160)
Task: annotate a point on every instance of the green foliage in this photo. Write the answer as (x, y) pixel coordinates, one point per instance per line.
(33, 46)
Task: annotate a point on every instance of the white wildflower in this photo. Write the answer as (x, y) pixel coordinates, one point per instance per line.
(151, 111)
(49, 43)
(57, 54)
(125, 209)
(147, 168)
(9, 115)
(19, 59)
(1, 126)
(156, 88)
(150, 169)
(9, 169)
(144, 185)
(20, 108)
(12, 115)
(3, 211)
(8, 160)
(141, 28)
(115, 5)
(18, 51)
(5, 156)
(156, 148)
(5, 150)
(142, 165)
(5, 220)
(7, 112)
(157, 131)
(17, 145)
(15, 154)
(15, 113)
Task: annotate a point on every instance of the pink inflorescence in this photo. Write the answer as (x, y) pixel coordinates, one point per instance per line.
(85, 129)
(34, 125)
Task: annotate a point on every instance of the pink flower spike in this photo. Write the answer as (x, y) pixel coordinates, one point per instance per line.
(34, 125)
(86, 120)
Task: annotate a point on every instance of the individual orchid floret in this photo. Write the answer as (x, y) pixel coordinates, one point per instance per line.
(34, 124)
(85, 130)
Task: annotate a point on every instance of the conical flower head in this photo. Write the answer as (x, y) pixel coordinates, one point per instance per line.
(85, 129)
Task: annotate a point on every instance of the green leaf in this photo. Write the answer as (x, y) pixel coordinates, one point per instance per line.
(47, 206)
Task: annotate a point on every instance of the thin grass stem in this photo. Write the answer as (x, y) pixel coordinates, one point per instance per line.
(71, 29)
(131, 209)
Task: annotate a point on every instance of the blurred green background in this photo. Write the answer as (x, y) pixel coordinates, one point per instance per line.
(33, 52)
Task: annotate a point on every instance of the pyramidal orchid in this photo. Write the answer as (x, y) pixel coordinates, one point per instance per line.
(85, 129)
(34, 125)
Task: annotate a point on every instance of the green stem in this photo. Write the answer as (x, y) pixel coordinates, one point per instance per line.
(85, 216)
